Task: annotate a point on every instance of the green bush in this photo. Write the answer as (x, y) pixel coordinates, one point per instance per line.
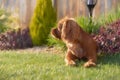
(42, 21)
(90, 27)
(100, 21)
(3, 20)
(55, 42)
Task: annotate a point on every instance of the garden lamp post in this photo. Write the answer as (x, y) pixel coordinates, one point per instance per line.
(91, 4)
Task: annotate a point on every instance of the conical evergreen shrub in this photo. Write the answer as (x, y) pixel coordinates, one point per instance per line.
(42, 21)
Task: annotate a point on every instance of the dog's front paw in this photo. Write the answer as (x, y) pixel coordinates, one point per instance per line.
(70, 63)
(89, 64)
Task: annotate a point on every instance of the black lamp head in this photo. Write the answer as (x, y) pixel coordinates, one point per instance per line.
(91, 2)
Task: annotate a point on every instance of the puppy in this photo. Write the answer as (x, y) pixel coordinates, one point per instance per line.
(79, 43)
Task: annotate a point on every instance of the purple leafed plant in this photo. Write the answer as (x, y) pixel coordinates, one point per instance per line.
(108, 38)
(15, 39)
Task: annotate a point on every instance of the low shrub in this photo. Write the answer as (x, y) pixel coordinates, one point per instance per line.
(55, 42)
(108, 38)
(90, 27)
(15, 39)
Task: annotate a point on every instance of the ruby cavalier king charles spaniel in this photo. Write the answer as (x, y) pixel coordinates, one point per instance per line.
(79, 43)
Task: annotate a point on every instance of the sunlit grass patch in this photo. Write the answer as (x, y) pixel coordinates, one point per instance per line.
(16, 65)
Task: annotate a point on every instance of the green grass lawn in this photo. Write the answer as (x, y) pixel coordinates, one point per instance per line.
(24, 65)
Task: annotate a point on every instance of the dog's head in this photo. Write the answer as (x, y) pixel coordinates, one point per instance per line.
(67, 29)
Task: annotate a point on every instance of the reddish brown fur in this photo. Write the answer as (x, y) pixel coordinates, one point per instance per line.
(79, 43)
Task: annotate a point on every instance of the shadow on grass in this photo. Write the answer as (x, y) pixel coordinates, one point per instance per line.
(103, 60)
(109, 59)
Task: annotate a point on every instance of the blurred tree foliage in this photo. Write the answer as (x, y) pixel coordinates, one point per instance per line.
(43, 20)
(3, 20)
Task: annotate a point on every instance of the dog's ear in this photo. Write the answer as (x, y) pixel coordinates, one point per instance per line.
(66, 30)
(55, 33)
(70, 30)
